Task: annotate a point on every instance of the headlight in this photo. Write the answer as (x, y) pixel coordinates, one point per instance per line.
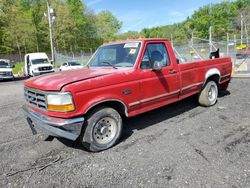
(36, 69)
(60, 102)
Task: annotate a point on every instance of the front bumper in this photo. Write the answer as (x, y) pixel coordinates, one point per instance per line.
(3, 77)
(59, 127)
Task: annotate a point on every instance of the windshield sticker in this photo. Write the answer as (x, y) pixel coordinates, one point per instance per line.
(131, 45)
(132, 51)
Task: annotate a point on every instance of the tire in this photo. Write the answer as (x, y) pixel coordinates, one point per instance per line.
(102, 129)
(208, 95)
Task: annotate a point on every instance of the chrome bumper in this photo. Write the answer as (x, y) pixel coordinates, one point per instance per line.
(66, 128)
(2, 77)
(42, 72)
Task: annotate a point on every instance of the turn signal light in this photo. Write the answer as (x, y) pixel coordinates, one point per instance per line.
(61, 108)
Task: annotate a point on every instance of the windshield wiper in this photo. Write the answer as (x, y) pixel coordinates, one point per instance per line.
(108, 63)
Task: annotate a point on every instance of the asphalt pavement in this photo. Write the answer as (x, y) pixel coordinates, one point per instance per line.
(180, 145)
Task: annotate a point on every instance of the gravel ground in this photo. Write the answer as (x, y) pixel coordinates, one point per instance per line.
(181, 145)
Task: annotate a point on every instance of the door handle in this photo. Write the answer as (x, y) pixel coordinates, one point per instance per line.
(172, 71)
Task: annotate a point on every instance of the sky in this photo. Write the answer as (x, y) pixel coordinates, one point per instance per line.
(139, 14)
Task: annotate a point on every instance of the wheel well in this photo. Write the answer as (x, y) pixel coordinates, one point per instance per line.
(215, 78)
(118, 106)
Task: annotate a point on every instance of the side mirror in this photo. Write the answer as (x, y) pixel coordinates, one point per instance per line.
(177, 60)
(13, 66)
(157, 66)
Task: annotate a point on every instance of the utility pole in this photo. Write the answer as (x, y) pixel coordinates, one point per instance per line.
(210, 39)
(235, 42)
(241, 28)
(246, 33)
(50, 11)
(192, 39)
(171, 39)
(227, 44)
(210, 31)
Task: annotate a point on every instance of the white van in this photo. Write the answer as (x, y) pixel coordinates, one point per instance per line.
(37, 64)
(6, 71)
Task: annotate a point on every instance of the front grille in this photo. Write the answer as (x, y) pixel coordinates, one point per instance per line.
(6, 73)
(45, 68)
(35, 98)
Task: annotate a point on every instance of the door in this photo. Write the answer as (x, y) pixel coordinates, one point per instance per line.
(158, 87)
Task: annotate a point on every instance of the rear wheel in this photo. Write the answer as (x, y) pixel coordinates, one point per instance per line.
(209, 94)
(102, 129)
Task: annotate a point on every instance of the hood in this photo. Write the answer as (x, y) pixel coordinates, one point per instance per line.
(55, 81)
(5, 69)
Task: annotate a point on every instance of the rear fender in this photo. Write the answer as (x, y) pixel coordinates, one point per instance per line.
(212, 72)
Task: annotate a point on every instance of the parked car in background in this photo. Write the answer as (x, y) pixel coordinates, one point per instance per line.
(37, 64)
(6, 71)
(70, 65)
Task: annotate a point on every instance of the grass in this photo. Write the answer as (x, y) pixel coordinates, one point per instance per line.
(18, 68)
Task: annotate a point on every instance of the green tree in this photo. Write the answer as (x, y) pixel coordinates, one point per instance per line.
(18, 31)
(129, 35)
(64, 23)
(107, 25)
(39, 21)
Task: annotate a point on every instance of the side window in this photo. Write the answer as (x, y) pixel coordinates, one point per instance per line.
(155, 52)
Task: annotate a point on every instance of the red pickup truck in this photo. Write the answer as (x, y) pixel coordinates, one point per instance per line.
(122, 79)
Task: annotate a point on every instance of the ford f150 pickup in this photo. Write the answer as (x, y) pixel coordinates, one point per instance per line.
(122, 79)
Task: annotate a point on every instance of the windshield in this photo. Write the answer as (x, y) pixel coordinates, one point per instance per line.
(4, 64)
(116, 55)
(74, 64)
(39, 61)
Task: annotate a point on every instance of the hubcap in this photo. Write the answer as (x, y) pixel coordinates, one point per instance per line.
(105, 130)
(212, 93)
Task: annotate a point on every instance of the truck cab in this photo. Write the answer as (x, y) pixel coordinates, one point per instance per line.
(37, 64)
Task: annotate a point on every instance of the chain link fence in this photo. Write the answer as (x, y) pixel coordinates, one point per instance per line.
(82, 58)
(199, 49)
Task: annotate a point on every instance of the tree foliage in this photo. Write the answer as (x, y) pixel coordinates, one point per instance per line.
(107, 25)
(24, 26)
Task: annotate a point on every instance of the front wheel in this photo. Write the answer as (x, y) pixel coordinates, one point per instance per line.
(102, 129)
(209, 94)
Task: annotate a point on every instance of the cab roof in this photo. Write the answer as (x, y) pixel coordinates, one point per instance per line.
(37, 55)
(137, 40)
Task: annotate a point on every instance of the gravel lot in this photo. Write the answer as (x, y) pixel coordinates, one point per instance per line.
(181, 145)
